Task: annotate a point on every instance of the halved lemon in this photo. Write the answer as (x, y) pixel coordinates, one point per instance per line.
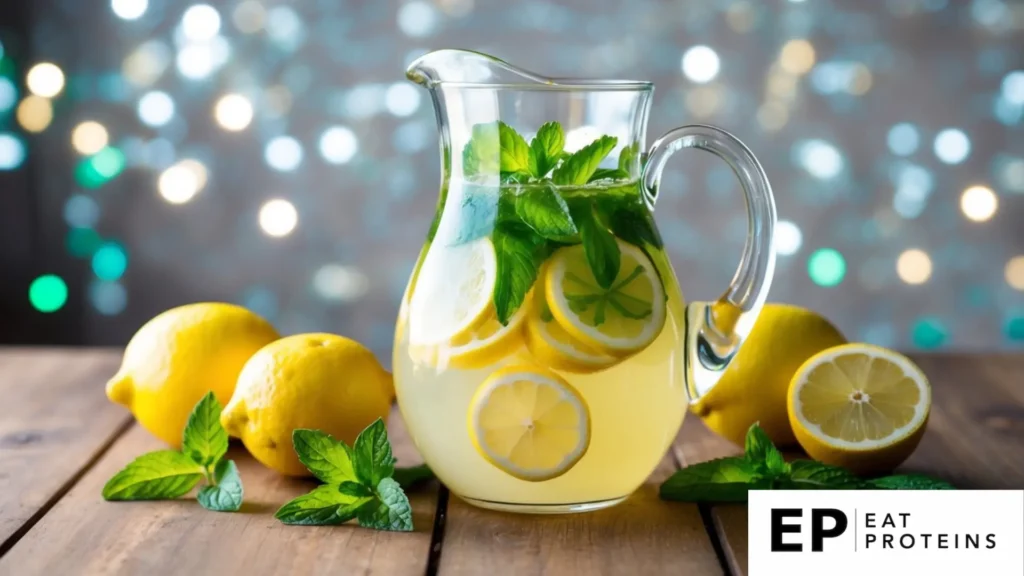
(552, 346)
(485, 345)
(529, 422)
(859, 406)
(452, 295)
(618, 321)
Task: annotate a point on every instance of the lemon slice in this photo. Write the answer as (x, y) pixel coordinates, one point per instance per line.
(859, 406)
(552, 346)
(452, 296)
(487, 344)
(618, 321)
(529, 422)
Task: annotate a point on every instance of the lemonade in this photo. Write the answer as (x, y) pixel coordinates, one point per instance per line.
(532, 373)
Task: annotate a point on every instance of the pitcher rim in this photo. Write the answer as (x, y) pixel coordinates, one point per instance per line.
(556, 85)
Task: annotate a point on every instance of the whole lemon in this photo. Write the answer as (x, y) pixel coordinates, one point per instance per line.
(320, 381)
(179, 356)
(755, 386)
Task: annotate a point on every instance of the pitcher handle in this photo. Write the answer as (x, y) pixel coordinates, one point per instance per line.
(715, 332)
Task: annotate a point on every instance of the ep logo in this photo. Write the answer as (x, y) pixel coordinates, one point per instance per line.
(823, 523)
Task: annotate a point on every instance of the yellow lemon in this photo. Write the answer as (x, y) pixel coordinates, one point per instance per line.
(483, 346)
(179, 356)
(529, 422)
(552, 346)
(753, 388)
(619, 320)
(859, 406)
(320, 381)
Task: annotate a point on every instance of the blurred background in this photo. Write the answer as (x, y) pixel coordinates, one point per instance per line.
(271, 153)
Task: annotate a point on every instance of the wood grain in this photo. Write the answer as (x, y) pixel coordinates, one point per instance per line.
(85, 535)
(643, 535)
(54, 420)
(974, 439)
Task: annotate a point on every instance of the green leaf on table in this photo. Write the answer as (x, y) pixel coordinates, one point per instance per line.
(412, 476)
(546, 212)
(205, 440)
(372, 450)
(599, 245)
(758, 445)
(721, 480)
(161, 475)
(608, 174)
(389, 511)
(516, 270)
(226, 494)
(546, 148)
(328, 459)
(325, 506)
(355, 489)
(908, 482)
(578, 168)
(809, 475)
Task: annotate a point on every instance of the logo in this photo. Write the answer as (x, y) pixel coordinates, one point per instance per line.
(886, 532)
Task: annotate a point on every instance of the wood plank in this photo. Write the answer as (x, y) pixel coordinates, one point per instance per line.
(54, 421)
(975, 435)
(85, 535)
(643, 535)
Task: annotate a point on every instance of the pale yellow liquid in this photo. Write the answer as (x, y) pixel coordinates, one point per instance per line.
(636, 409)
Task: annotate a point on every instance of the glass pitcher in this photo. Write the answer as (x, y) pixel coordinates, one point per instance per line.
(544, 356)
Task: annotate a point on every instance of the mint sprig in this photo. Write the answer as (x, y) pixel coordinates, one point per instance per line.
(762, 467)
(360, 482)
(169, 474)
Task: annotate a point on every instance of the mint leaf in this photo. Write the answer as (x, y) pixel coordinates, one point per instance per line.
(628, 156)
(578, 168)
(373, 459)
(633, 224)
(389, 511)
(205, 440)
(158, 475)
(515, 153)
(808, 474)
(516, 273)
(328, 459)
(757, 444)
(909, 482)
(482, 154)
(324, 506)
(355, 489)
(608, 174)
(599, 245)
(412, 476)
(546, 148)
(546, 212)
(226, 494)
(721, 480)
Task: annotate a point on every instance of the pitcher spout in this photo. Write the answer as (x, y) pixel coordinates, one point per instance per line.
(452, 66)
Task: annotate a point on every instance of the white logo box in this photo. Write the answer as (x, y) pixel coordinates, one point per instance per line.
(955, 532)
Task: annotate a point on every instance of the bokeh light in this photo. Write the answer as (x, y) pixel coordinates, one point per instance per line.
(147, 63)
(233, 112)
(81, 211)
(48, 293)
(278, 218)
(45, 79)
(952, 146)
(402, 99)
(914, 266)
(797, 56)
(89, 137)
(1014, 272)
(788, 238)
(82, 242)
(283, 153)
(181, 182)
(1013, 87)
(700, 64)
(979, 203)
(819, 158)
(338, 144)
(196, 61)
(8, 94)
(129, 9)
(249, 16)
(340, 283)
(155, 108)
(826, 267)
(35, 113)
(12, 151)
(903, 139)
(929, 333)
(110, 261)
(108, 298)
(200, 22)
(417, 19)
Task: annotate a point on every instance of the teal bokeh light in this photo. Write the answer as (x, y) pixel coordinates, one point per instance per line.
(826, 267)
(110, 261)
(929, 333)
(48, 293)
(83, 242)
(100, 168)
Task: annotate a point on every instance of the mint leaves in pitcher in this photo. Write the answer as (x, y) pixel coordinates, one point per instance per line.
(547, 199)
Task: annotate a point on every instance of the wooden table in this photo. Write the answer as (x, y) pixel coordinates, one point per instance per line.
(60, 440)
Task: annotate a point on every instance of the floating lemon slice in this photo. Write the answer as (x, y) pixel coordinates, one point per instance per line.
(452, 295)
(483, 346)
(529, 422)
(618, 321)
(552, 346)
(859, 406)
